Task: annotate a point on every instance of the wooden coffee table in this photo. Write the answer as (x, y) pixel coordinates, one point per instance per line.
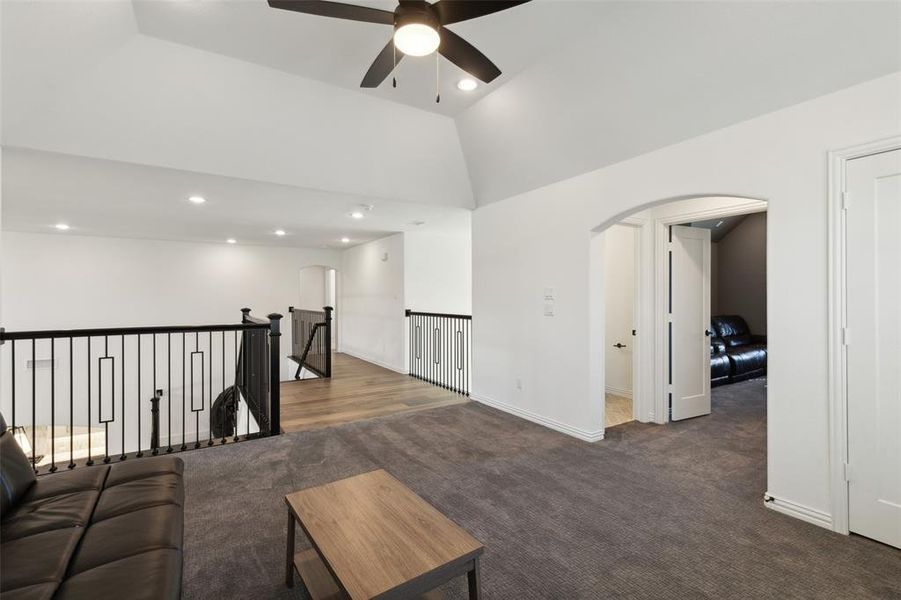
(373, 537)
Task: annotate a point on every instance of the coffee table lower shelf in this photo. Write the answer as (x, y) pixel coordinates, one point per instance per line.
(321, 585)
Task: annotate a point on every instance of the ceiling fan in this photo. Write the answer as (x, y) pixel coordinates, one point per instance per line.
(419, 30)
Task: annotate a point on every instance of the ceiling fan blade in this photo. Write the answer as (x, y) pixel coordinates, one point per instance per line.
(382, 66)
(338, 10)
(466, 56)
(454, 11)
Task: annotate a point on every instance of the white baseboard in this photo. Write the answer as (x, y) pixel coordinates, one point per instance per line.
(586, 436)
(799, 511)
(362, 356)
(621, 392)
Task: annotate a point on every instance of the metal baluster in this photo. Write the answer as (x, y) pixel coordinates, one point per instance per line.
(155, 409)
(210, 411)
(71, 408)
(184, 390)
(196, 414)
(52, 405)
(154, 404)
(100, 399)
(90, 460)
(169, 392)
(34, 448)
(14, 382)
(237, 393)
(140, 452)
(122, 358)
(223, 382)
(245, 336)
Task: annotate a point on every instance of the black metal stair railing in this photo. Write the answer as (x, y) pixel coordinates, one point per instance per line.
(311, 340)
(79, 396)
(440, 349)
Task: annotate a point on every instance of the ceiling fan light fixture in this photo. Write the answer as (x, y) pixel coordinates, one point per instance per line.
(416, 39)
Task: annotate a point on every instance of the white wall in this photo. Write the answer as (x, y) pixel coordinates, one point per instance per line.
(741, 272)
(619, 298)
(438, 270)
(372, 302)
(61, 281)
(313, 286)
(542, 238)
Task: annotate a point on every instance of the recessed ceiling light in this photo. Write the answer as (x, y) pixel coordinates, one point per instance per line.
(279, 232)
(196, 199)
(356, 215)
(345, 240)
(61, 226)
(231, 241)
(467, 84)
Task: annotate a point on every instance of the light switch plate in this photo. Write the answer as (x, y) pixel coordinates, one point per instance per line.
(549, 309)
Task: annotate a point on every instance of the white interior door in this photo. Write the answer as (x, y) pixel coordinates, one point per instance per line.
(873, 228)
(689, 321)
(619, 306)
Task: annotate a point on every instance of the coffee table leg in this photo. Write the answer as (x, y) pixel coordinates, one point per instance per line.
(289, 554)
(475, 581)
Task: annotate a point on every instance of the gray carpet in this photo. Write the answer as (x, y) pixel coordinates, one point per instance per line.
(651, 512)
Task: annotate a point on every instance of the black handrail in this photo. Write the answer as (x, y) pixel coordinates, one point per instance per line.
(409, 313)
(112, 371)
(46, 334)
(440, 349)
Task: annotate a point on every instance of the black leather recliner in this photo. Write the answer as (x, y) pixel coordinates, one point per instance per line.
(733, 345)
(98, 533)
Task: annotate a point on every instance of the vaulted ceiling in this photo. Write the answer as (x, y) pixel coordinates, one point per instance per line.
(234, 91)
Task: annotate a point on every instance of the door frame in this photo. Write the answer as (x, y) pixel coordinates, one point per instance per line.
(837, 320)
(661, 300)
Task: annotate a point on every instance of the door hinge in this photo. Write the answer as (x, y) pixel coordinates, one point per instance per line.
(846, 336)
(846, 472)
(846, 197)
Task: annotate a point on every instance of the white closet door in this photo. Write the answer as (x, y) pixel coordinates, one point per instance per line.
(873, 229)
(690, 297)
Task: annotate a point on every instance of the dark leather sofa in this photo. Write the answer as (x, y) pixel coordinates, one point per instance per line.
(100, 532)
(735, 354)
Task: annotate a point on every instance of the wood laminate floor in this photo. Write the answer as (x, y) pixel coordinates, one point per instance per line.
(357, 390)
(619, 410)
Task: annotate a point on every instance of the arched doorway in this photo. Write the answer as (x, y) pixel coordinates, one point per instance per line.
(656, 364)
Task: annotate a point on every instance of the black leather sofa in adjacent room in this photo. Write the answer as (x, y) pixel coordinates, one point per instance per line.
(735, 353)
(100, 532)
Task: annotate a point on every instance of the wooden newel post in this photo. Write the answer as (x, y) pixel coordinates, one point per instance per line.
(275, 426)
(328, 340)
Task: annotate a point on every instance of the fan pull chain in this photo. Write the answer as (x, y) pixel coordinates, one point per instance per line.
(437, 74)
(393, 78)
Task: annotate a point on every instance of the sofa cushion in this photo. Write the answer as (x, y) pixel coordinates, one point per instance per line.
(139, 494)
(67, 482)
(719, 367)
(39, 591)
(147, 576)
(747, 359)
(739, 340)
(730, 325)
(38, 559)
(156, 528)
(54, 512)
(16, 472)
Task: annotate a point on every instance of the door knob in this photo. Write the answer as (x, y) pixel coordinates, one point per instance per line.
(708, 333)
(619, 345)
